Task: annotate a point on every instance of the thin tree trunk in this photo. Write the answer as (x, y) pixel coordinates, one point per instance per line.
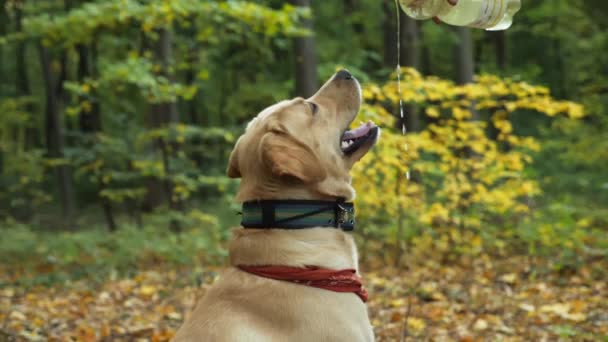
(426, 64)
(3, 30)
(191, 104)
(134, 207)
(389, 28)
(410, 52)
(190, 77)
(464, 56)
(410, 42)
(305, 58)
(164, 56)
(4, 20)
(32, 135)
(89, 122)
(108, 213)
(465, 65)
(500, 43)
(106, 206)
(162, 115)
(63, 62)
(22, 81)
(54, 135)
(157, 116)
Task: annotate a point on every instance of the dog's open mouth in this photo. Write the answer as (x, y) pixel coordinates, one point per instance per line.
(354, 139)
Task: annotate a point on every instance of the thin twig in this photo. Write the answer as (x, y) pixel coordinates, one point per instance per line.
(404, 329)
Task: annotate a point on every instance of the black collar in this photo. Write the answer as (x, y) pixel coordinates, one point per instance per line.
(298, 214)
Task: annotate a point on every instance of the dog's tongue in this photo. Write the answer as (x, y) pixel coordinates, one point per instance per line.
(359, 131)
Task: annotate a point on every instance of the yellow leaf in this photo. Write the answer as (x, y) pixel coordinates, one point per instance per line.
(147, 290)
(398, 303)
(480, 324)
(86, 106)
(510, 278)
(461, 114)
(432, 112)
(416, 325)
(563, 310)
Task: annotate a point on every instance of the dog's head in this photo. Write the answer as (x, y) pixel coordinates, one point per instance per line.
(302, 148)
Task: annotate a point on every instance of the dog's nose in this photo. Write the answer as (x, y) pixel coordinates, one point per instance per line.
(344, 75)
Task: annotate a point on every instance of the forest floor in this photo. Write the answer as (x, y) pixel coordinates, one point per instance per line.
(478, 299)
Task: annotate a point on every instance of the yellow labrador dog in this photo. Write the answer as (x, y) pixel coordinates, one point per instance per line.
(294, 274)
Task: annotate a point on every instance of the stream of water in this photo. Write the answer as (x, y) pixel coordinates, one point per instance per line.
(401, 115)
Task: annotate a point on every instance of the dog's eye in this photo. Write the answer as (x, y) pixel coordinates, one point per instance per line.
(313, 107)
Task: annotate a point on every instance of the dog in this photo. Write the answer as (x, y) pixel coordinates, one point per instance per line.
(298, 152)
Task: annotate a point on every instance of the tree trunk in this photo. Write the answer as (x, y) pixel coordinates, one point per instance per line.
(426, 64)
(22, 84)
(500, 43)
(89, 122)
(465, 65)
(3, 30)
(410, 51)
(190, 76)
(106, 206)
(162, 115)
(156, 194)
(410, 42)
(389, 28)
(191, 107)
(62, 95)
(4, 20)
(464, 56)
(305, 58)
(166, 112)
(54, 135)
(108, 213)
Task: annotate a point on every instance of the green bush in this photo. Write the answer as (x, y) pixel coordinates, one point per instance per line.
(33, 257)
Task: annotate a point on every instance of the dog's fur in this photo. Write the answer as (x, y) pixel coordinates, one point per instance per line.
(289, 151)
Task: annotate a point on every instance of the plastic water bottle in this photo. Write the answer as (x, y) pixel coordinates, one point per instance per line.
(491, 15)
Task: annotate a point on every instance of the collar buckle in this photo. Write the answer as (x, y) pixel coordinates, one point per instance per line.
(345, 216)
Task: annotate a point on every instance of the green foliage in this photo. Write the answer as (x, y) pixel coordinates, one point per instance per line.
(134, 74)
(120, 79)
(81, 24)
(48, 257)
(151, 95)
(22, 171)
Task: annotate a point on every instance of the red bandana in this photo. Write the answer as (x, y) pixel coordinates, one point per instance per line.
(333, 280)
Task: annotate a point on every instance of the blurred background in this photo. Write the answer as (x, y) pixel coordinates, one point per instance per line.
(117, 118)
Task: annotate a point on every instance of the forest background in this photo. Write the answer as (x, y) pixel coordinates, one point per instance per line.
(117, 118)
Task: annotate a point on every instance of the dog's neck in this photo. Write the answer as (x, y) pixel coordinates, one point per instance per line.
(268, 188)
(322, 247)
(326, 248)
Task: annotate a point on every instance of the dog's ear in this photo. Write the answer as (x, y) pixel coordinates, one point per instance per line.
(233, 170)
(286, 156)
